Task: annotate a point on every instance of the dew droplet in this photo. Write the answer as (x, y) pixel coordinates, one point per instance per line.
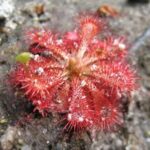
(69, 116)
(122, 46)
(39, 102)
(59, 42)
(94, 67)
(39, 71)
(36, 57)
(81, 119)
(83, 97)
(83, 83)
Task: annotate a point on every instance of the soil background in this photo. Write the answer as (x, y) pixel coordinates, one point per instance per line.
(20, 129)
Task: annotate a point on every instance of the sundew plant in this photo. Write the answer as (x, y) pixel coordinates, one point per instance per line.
(78, 74)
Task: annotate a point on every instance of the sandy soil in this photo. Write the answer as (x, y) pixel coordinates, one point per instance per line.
(19, 132)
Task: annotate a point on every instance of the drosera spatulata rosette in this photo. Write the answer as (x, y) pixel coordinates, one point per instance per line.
(78, 74)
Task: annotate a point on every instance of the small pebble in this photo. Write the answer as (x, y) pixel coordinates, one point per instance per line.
(3, 121)
(8, 139)
(26, 147)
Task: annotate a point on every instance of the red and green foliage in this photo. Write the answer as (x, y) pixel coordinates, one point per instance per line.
(78, 74)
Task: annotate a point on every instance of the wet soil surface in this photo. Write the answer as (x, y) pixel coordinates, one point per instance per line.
(20, 129)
